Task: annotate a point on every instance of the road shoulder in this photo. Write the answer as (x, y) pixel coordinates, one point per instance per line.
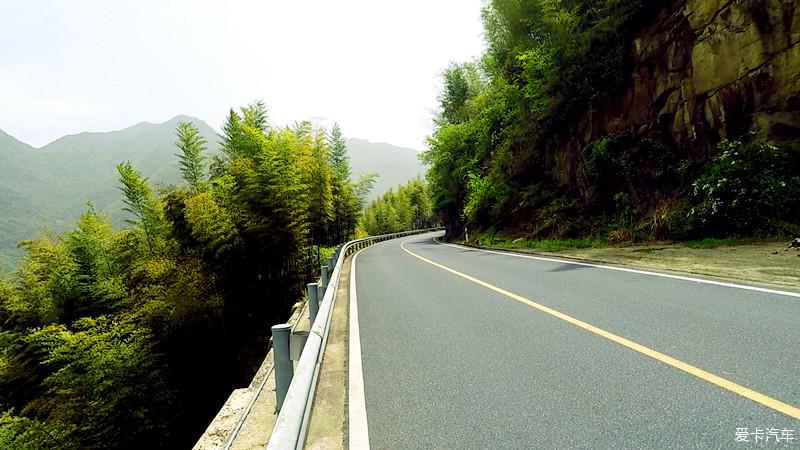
(326, 428)
(768, 265)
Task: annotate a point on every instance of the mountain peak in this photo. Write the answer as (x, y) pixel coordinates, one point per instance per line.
(182, 118)
(170, 122)
(8, 141)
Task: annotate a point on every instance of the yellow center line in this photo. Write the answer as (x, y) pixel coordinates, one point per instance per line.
(758, 397)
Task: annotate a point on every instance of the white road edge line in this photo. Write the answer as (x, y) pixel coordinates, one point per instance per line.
(358, 432)
(623, 269)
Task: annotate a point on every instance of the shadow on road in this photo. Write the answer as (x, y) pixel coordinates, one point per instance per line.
(568, 267)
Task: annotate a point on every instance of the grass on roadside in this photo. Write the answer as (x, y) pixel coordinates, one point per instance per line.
(542, 244)
(502, 242)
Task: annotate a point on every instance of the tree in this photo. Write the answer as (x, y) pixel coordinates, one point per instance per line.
(139, 202)
(93, 246)
(338, 153)
(456, 93)
(192, 146)
(254, 116)
(345, 200)
(407, 208)
(103, 331)
(319, 180)
(231, 134)
(363, 186)
(49, 280)
(94, 370)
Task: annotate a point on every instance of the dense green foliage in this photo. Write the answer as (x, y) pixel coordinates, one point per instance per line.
(492, 161)
(133, 338)
(749, 189)
(545, 62)
(47, 188)
(407, 208)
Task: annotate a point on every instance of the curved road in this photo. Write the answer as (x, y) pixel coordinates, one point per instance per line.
(463, 348)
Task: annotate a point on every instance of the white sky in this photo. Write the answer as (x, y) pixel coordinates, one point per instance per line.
(97, 65)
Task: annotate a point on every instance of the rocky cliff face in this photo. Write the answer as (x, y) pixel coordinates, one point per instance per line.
(704, 70)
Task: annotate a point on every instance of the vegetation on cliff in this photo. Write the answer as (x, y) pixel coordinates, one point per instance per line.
(133, 338)
(503, 157)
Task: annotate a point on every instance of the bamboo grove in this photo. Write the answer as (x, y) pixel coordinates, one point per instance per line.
(406, 208)
(134, 337)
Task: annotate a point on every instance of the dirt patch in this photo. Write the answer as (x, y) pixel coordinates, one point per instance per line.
(769, 263)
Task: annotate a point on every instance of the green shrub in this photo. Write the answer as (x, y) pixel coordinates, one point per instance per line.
(606, 157)
(662, 163)
(480, 195)
(749, 189)
(554, 215)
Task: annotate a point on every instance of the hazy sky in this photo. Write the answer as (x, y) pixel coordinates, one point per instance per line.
(97, 65)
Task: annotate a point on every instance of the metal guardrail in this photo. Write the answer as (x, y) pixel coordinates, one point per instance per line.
(291, 426)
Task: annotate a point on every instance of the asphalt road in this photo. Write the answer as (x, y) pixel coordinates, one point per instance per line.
(451, 363)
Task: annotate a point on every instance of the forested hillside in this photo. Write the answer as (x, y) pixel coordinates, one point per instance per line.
(46, 189)
(134, 337)
(406, 207)
(623, 120)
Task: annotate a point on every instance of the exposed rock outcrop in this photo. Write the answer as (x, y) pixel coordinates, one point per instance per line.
(704, 70)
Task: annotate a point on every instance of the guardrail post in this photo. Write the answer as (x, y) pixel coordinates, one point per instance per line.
(323, 280)
(313, 302)
(282, 361)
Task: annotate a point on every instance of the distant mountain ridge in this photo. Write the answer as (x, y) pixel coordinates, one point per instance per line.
(394, 165)
(47, 188)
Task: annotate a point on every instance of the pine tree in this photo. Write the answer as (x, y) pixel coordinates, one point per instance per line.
(192, 146)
